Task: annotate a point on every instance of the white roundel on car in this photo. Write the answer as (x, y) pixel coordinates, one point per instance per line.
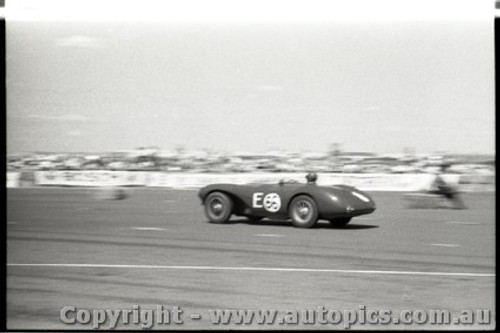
(272, 202)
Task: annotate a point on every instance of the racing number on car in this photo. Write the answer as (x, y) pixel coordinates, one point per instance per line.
(271, 202)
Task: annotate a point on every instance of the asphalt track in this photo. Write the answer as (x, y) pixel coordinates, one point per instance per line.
(67, 248)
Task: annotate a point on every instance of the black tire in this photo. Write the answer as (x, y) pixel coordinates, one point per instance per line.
(340, 222)
(303, 212)
(218, 207)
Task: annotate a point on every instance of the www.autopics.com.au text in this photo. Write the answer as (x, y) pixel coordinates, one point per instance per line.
(161, 315)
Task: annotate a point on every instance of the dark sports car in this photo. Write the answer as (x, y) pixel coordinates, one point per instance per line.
(303, 203)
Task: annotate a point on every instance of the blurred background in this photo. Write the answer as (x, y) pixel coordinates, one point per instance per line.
(251, 86)
(335, 161)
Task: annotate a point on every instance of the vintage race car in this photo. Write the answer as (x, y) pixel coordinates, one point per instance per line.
(303, 203)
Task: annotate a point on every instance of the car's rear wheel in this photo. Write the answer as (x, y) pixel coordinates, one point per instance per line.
(218, 207)
(340, 222)
(303, 212)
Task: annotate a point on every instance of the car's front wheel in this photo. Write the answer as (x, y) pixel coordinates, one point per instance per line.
(340, 222)
(303, 212)
(218, 207)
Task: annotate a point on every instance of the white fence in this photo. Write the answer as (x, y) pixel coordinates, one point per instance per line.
(13, 179)
(369, 182)
(373, 182)
(91, 178)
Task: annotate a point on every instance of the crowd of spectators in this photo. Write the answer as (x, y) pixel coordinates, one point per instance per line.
(277, 161)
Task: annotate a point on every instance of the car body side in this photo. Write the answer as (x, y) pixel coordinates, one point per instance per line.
(337, 201)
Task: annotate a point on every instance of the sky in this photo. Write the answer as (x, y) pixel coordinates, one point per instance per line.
(88, 76)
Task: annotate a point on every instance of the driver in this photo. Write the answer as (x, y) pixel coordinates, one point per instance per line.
(311, 177)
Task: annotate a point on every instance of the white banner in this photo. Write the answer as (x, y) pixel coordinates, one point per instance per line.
(368, 182)
(392, 182)
(195, 180)
(13, 179)
(91, 178)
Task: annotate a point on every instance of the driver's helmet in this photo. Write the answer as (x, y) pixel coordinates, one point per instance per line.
(311, 177)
